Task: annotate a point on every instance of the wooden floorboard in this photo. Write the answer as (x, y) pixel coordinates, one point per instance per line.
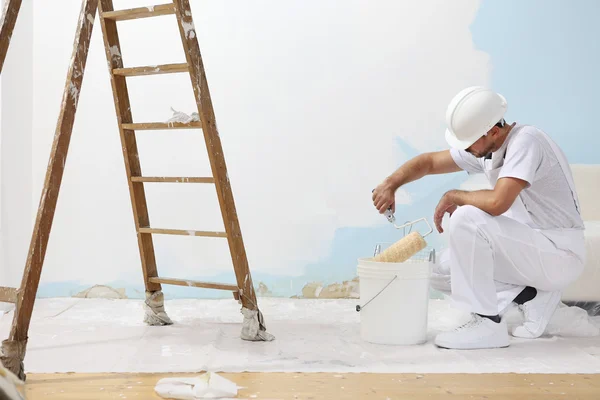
(329, 386)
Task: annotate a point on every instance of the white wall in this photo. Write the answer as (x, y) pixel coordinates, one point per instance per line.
(16, 150)
(309, 98)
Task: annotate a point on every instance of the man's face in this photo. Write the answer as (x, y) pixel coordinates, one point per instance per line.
(482, 146)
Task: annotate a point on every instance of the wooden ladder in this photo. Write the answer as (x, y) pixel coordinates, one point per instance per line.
(127, 128)
(243, 290)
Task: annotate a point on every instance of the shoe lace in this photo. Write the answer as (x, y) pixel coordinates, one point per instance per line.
(525, 310)
(474, 321)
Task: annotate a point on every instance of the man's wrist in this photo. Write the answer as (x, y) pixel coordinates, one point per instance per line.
(391, 183)
(450, 196)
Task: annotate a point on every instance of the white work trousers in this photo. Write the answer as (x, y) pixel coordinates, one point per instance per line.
(491, 259)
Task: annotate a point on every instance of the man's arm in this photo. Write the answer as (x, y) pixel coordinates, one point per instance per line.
(494, 202)
(440, 162)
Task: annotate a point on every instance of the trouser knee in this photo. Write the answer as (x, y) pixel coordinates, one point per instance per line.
(469, 215)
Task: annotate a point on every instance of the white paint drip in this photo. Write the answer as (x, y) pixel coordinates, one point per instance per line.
(90, 18)
(191, 233)
(114, 52)
(188, 13)
(74, 92)
(189, 29)
(151, 8)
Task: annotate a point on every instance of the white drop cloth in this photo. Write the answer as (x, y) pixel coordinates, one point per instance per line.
(104, 335)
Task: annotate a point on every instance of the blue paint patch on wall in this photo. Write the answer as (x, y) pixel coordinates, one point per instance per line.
(349, 244)
(546, 57)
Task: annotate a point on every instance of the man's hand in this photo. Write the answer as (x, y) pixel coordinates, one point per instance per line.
(443, 207)
(383, 197)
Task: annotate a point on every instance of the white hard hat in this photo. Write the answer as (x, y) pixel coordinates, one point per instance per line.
(471, 114)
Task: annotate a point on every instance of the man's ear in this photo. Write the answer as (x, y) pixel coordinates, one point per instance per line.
(494, 131)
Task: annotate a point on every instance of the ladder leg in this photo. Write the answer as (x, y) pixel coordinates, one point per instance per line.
(7, 25)
(215, 153)
(129, 146)
(14, 347)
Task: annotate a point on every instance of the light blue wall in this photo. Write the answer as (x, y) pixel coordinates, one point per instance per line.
(545, 57)
(546, 61)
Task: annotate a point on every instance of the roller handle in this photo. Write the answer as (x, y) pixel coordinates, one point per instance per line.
(414, 222)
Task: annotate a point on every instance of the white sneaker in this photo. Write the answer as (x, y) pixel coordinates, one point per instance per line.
(478, 333)
(537, 313)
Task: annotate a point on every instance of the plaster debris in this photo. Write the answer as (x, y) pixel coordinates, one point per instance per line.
(263, 290)
(344, 290)
(179, 116)
(90, 18)
(102, 292)
(151, 8)
(309, 291)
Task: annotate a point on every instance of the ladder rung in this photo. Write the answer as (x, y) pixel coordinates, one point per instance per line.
(172, 179)
(182, 232)
(151, 70)
(148, 126)
(183, 282)
(141, 12)
(8, 295)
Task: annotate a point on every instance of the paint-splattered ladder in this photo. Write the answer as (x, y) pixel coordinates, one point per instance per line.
(13, 349)
(194, 67)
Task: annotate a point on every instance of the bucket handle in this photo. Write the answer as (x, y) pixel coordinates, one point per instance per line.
(414, 222)
(359, 307)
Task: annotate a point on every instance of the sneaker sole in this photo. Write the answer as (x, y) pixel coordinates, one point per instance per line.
(467, 346)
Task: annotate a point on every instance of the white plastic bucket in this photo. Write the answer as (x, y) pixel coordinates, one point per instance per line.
(396, 315)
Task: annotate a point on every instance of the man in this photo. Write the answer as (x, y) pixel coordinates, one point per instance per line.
(520, 242)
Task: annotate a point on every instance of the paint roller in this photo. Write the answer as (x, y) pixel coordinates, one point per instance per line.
(406, 247)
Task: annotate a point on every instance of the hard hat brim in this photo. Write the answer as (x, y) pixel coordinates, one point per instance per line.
(459, 144)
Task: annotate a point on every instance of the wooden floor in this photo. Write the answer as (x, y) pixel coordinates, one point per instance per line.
(328, 386)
